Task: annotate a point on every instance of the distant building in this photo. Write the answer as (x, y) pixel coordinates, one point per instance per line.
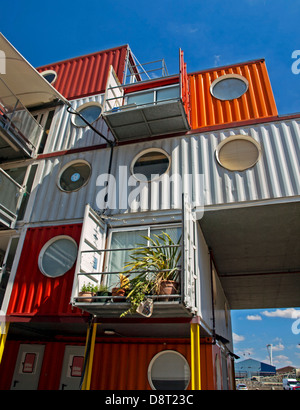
(251, 367)
(286, 369)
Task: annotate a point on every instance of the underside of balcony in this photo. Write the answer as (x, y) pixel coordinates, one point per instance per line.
(112, 309)
(137, 122)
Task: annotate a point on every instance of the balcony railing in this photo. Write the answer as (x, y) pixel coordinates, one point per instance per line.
(20, 133)
(146, 106)
(11, 195)
(110, 305)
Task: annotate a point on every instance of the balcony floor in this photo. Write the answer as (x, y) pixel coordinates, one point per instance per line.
(110, 309)
(147, 121)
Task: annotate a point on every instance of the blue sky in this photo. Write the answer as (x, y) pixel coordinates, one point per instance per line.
(211, 33)
(253, 330)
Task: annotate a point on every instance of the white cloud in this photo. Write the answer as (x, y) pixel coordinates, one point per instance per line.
(281, 360)
(217, 60)
(237, 338)
(278, 347)
(254, 317)
(289, 313)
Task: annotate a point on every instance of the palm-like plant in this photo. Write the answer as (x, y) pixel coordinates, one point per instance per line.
(153, 264)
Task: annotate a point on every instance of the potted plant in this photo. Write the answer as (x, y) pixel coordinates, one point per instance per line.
(87, 291)
(158, 267)
(121, 287)
(139, 287)
(102, 291)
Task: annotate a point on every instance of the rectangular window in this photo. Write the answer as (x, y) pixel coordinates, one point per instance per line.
(152, 96)
(128, 239)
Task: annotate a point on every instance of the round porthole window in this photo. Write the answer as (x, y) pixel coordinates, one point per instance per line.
(229, 87)
(50, 76)
(169, 370)
(238, 153)
(150, 164)
(58, 256)
(74, 175)
(90, 112)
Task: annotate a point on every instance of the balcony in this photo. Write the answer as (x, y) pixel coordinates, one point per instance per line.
(147, 107)
(98, 264)
(19, 131)
(11, 195)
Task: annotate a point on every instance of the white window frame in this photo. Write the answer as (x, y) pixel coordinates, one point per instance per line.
(240, 137)
(154, 358)
(131, 229)
(82, 107)
(146, 151)
(46, 246)
(46, 72)
(225, 77)
(154, 91)
(66, 166)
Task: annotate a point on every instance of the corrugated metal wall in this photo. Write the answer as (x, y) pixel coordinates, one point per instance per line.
(275, 175)
(87, 75)
(124, 366)
(35, 294)
(257, 102)
(117, 365)
(65, 135)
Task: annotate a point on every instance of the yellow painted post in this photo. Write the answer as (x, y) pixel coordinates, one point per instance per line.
(3, 334)
(88, 373)
(195, 357)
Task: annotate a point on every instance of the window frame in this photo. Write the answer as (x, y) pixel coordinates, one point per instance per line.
(82, 107)
(44, 249)
(223, 78)
(47, 72)
(231, 138)
(156, 356)
(154, 91)
(146, 151)
(66, 166)
(148, 227)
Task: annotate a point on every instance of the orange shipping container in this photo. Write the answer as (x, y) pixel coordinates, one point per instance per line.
(257, 102)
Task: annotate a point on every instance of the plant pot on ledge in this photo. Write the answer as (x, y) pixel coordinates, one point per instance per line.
(87, 291)
(168, 287)
(118, 292)
(120, 288)
(87, 296)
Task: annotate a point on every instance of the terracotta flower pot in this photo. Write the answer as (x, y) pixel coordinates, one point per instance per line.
(118, 292)
(87, 297)
(168, 287)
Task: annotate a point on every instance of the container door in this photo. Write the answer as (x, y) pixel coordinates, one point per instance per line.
(28, 367)
(72, 368)
(90, 258)
(190, 255)
(184, 86)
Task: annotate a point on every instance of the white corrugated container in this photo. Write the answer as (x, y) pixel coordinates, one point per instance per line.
(65, 135)
(275, 176)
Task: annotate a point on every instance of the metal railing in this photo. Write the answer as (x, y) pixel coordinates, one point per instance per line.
(11, 195)
(16, 119)
(98, 278)
(136, 71)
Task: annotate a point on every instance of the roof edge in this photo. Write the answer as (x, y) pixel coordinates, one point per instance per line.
(83, 56)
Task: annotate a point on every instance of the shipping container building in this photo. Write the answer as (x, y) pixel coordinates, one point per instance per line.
(100, 156)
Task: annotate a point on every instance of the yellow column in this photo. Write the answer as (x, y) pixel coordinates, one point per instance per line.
(88, 371)
(3, 334)
(195, 357)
